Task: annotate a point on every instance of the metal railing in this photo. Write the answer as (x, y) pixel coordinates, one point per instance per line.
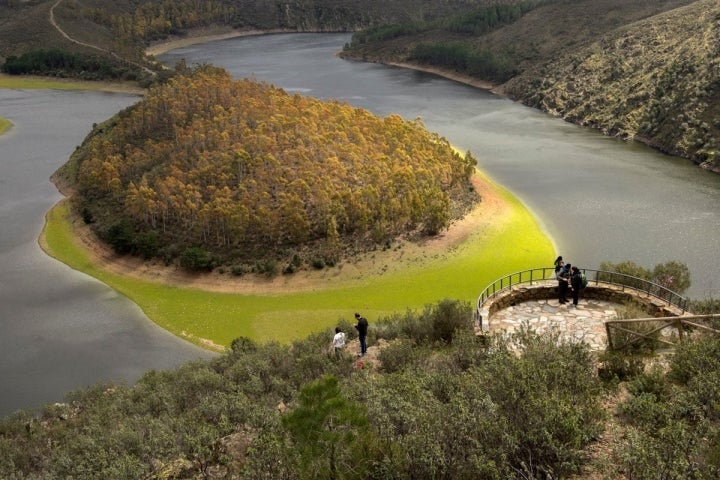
(593, 276)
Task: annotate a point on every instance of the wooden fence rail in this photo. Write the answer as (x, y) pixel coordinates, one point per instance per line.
(651, 331)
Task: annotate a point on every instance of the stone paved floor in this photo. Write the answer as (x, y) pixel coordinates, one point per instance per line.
(581, 323)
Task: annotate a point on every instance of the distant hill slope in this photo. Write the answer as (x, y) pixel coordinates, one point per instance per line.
(656, 80)
(632, 68)
(638, 69)
(126, 26)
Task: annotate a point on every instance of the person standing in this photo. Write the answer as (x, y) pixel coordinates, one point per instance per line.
(576, 283)
(563, 278)
(362, 328)
(338, 341)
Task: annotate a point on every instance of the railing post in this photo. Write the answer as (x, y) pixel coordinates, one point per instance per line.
(609, 337)
(680, 329)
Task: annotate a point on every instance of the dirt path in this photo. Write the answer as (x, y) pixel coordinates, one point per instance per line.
(62, 32)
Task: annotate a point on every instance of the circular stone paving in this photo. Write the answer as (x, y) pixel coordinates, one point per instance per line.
(584, 323)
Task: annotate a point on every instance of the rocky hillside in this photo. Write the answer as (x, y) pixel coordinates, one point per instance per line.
(656, 80)
(633, 68)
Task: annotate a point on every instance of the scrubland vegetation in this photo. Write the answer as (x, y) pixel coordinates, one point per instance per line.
(435, 401)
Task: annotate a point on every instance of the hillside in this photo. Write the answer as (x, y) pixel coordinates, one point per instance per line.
(639, 69)
(636, 69)
(125, 27)
(216, 171)
(430, 400)
(656, 81)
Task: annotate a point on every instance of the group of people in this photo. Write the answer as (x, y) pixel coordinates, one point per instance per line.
(361, 326)
(569, 277)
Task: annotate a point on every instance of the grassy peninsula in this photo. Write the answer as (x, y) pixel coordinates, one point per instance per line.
(211, 309)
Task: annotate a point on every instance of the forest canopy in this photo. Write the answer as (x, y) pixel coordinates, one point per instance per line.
(228, 169)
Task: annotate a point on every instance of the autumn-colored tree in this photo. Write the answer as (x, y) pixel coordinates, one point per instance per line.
(237, 167)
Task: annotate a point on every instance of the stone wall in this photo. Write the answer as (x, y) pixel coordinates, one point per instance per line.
(616, 294)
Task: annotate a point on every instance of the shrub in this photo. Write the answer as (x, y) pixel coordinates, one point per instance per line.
(619, 366)
(87, 215)
(268, 267)
(672, 275)
(327, 432)
(627, 269)
(448, 316)
(146, 244)
(238, 270)
(695, 358)
(705, 307)
(196, 259)
(121, 237)
(546, 403)
(398, 355)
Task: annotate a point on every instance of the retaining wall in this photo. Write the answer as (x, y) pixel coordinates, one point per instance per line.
(620, 295)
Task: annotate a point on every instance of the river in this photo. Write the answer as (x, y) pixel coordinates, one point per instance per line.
(60, 330)
(599, 198)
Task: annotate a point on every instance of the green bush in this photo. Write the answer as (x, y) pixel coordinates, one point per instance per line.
(238, 270)
(121, 237)
(196, 259)
(448, 316)
(675, 417)
(707, 306)
(695, 358)
(398, 355)
(146, 244)
(672, 275)
(619, 366)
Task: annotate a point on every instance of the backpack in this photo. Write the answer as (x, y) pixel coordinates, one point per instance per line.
(583, 280)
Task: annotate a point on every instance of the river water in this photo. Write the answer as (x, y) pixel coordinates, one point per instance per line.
(598, 197)
(60, 330)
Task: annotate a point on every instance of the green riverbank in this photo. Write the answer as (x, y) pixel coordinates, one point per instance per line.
(30, 82)
(510, 240)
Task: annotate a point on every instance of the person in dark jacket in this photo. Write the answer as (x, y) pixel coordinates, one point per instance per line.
(576, 283)
(563, 278)
(362, 328)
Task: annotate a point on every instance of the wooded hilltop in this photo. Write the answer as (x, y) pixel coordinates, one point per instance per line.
(647, 71)
(215, 170)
